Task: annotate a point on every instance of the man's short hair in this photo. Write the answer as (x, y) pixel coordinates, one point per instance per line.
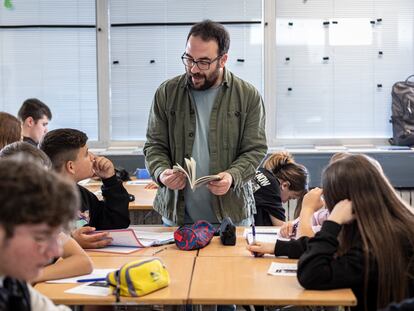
(62, 145)
(209, 30)
(30, 194)
(34, 108)
(10, 129)
(27, 150)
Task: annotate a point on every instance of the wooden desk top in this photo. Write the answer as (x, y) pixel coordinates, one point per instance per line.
(180, 269)
(144, 198)
(243, 280)
(216, 248)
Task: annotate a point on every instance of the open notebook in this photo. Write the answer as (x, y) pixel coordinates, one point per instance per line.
(130, 240)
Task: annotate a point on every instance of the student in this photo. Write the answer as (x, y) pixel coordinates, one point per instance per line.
(366, 244)
(70, 157)
(10, 129)
(35, 116)
(309, 219)
(35, 206)
(278, 181)
(74, 259)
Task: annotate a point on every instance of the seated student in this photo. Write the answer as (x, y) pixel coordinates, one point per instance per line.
(10, 129)
(74, 259)
(35, 206)
(69, 154)
(278, 181)
(35, 116)
(366, 244)
(310, 218)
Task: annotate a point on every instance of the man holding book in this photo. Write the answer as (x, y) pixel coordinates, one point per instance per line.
(217, 119)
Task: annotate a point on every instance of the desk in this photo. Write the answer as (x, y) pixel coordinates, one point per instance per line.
(216, 248)
(180, 269)
(244, 281)
(144, 198)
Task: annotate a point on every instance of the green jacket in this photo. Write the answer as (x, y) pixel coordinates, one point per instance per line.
(237, 143)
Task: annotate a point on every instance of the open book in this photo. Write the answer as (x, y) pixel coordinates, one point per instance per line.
(191, 174)
(130, 240)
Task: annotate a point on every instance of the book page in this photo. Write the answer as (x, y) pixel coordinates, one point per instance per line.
(179, 168)
(205, 180)
(122, 237)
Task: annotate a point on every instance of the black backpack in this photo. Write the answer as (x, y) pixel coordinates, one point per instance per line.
(402, 118)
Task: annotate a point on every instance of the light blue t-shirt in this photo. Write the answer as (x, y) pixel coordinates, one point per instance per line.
(198, 203)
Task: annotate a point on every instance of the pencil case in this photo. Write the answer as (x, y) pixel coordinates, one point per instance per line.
(139, 278)
(195, 236)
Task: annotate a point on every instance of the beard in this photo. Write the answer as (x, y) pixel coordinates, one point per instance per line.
(209, 81)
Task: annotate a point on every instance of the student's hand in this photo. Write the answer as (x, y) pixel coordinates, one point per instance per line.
(103, 167)
(87, 240)
(259, 249)
(312, 201)
(151, 185)
(220, 187)
(342, 213)
(286, 229)
(173, 180)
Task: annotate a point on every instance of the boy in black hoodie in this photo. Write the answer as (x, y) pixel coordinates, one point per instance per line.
(70, 156)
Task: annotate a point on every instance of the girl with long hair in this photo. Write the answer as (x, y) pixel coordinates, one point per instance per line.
(366, 244)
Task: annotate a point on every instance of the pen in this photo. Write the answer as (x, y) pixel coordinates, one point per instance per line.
(159, 251)
(254, 236)
(91, 280)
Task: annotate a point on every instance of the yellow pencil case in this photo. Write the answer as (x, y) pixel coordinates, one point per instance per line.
(139, 278)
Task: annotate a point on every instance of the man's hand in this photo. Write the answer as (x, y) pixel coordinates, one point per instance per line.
(87, 240)
(173, 180)
(220, 187)
(103, 167)
(342, 213)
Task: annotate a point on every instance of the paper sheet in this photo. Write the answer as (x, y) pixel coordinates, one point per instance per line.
(96, 273)
(286, 269)
(93, 289)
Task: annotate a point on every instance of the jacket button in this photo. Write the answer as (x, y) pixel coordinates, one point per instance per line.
(237, 114)
(172, 113)
(191, 134)
(187, 155)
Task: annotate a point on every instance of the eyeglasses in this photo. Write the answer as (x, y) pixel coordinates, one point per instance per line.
(201, 64)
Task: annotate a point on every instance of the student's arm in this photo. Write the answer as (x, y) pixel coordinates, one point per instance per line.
(276, 222)
(74, 262)
(319, 268)
(110, 213)
(312, 202)
(292, 248)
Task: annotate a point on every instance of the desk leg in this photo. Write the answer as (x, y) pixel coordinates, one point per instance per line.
(197, 308)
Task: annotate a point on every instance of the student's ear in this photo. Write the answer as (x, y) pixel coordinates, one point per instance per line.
(70, 167)
(284, 185)
(29, 122)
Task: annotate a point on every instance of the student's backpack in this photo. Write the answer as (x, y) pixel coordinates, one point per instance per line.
(402, 117)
